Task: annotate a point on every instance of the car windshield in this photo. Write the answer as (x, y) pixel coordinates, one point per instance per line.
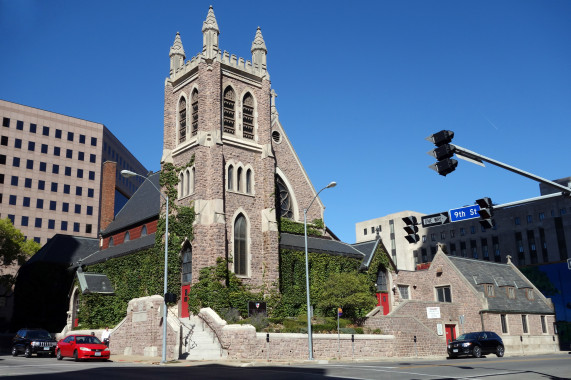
(87, 340)
(468, 336)
(38, 334)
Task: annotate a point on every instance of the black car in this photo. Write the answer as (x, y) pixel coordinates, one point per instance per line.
(33, 341)
(476, 344)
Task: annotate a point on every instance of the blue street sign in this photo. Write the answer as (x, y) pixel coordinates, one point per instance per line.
(463, 213)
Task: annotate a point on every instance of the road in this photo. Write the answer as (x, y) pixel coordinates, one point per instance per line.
(552, 367)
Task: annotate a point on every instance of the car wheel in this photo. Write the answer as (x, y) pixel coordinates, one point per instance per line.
(14, 351)
(477, 352)
(75, 356)
(58, 355)
(500, 351)
(28, 352)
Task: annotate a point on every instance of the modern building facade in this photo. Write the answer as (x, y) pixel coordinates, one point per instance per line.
(537, 232)
(51, 169)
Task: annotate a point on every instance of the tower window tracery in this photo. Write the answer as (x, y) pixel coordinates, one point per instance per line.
(182, 120)
(285, 206)
(229, 112)
(248, 116)
(194, 105)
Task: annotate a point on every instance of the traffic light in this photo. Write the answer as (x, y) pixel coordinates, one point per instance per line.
(443, 152)
(411, 229)
(170, 298)
(486, 212)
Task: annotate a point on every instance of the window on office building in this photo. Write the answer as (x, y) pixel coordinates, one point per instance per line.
(40, 203)
(31, 146)
(92, 175)
(81, 156)
(78, 190)
(63, 226)
(38, 223)
(43, 166)
(517, 221)
(4, 140)
(92, 158)
(24, 221)
(2, 159)
(75, 227)
(16, 162)
(44, 148)
(27, 182)
(41, 184)
(89, 210)
(54, 187)
(12, 200)
(66, 189)
(12, 218)
(68, 171)
(6, 122)
(18, 143)
(46, 131)
(94, 141)
(529, 219)
(79, 173)
(88, 228)
(53, 205)
(55, 169)
(541, 215)
(26, 202)
(68, 153)
(20, 125)
(33, 128)
(57, 151)
(14, 180)
(78, 209)
(58, 133)
(69, 136)
(82, 139)
(90, 193)
(65, 207)
(51, 224)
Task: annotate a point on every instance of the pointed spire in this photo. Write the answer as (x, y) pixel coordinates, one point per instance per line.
(210, 22)
(210, 34)
(259, 52)
(177, 54)
(259, 43)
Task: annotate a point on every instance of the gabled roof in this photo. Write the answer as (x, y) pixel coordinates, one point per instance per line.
(318, 245)
(478, 272)
(131, 246)
(143, 205)
(66, 250)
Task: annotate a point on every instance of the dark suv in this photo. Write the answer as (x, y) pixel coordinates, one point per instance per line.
(33, 341)
(476, 344)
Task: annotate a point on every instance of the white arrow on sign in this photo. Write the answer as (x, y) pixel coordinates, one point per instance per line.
(435, 219)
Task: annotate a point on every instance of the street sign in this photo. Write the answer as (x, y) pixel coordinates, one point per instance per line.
(435, 219)
(463, 213)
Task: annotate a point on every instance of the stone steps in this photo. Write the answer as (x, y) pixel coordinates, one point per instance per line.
(199, 342)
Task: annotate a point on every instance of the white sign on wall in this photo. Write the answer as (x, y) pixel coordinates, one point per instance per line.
(433, 312)
(439, 330)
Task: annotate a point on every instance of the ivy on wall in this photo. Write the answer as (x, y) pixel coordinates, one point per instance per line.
(141, 274)
(314, 228)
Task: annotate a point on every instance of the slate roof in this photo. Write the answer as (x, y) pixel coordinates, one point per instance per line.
(318, 245)
(368, 249)
(119, 250)
(479, 272)
(65, 250)
(143, 205)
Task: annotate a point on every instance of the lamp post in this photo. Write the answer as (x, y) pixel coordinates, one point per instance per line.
(127, 174)
(309, 339)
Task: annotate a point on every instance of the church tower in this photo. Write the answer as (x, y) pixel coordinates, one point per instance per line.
(218, 109)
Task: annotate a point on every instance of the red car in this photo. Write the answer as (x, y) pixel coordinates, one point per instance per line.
(81, 347)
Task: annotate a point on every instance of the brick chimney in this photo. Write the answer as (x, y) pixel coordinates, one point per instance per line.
(107, 194)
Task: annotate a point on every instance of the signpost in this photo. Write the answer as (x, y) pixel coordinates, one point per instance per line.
(435, 219)
(464, 213)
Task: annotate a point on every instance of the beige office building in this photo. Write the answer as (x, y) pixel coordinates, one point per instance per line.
(51, 171)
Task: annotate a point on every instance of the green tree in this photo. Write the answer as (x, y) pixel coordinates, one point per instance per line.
(351, 291)
(14, 248)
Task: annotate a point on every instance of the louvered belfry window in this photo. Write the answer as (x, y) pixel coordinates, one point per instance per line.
(194, 105)
(229, 101)
(248, 117)
(182, 121)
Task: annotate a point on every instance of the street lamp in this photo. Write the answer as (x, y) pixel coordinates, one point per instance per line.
(127, 174)
(309, 340)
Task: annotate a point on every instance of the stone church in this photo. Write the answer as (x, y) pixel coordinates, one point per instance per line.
(220, 109)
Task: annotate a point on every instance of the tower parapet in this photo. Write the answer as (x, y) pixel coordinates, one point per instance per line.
(211, 53)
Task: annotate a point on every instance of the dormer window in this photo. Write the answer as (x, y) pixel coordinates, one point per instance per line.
(248, 117)
(529, 294)
(489, 289)
(182, 120)
(229, 111)
(194, 105)
(511, 292)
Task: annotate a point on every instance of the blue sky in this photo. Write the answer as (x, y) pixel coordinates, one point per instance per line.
(360, 86)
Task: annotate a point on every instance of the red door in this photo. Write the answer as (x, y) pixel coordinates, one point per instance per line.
(184, 301)
(450, 333)
(383, 300)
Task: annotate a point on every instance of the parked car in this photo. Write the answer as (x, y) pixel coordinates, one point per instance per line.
(476, 344)
(33, 341)
(81, 347)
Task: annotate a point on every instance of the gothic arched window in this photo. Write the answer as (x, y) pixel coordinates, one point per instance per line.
(249, 181)
(229, 101)
(239, 180)
(240, 246)
(192, 179)
(187, 266)
(181, 185)
(194, 105)
(284, 200)
(230, 177)
(144, 231)
(182, 120)
(248, 116)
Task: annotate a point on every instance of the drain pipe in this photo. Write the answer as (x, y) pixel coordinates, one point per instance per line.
(482, 320)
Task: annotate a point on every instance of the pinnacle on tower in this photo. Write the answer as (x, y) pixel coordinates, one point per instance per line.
(210, 34)
(259, 52)
(176, 54)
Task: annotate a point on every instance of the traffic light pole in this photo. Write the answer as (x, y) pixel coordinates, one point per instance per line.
(478, 159)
